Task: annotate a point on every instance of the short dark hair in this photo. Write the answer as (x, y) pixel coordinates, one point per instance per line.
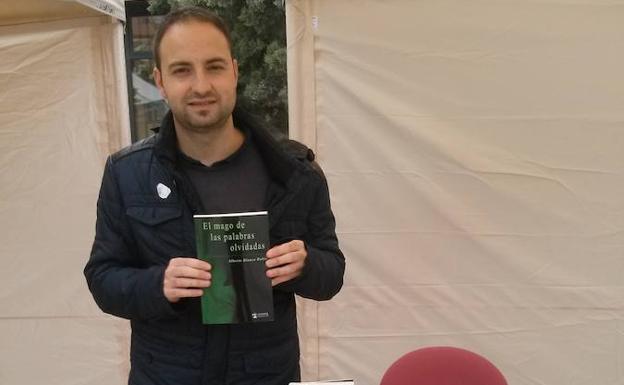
(186, 14)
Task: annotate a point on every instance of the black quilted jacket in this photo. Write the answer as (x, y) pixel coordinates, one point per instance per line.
(137, 232)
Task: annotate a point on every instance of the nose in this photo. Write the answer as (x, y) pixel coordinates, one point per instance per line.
(202, 84)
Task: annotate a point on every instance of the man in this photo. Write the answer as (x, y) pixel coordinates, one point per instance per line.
(207, 159)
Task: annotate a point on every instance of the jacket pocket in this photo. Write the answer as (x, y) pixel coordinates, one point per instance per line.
(156, 347)
(158, 232)
(282, 357)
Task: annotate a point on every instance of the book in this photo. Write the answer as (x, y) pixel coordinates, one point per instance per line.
(235, 245)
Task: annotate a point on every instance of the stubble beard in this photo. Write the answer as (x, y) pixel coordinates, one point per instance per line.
(214, 119)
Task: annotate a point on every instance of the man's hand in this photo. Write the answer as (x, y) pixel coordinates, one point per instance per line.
(186, 277)
(285, 261)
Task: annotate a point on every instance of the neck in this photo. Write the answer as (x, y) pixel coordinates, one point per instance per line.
(211, 146)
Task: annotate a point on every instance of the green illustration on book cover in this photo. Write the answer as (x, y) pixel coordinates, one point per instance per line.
(235, 245)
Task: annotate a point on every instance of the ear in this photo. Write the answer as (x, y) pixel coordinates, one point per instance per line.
(235, 65)
(159, 82)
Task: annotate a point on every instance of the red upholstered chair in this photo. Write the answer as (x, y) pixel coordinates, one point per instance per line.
(442, 365)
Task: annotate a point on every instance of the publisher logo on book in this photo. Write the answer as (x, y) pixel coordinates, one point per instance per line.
(259, 315)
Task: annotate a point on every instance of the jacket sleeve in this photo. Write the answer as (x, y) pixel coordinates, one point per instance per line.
(119, 285)
(323, 272)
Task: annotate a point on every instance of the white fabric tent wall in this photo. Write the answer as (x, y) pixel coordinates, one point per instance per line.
(64, 108)
(474, 155)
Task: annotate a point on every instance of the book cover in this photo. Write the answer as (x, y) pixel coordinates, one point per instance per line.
(235, 245)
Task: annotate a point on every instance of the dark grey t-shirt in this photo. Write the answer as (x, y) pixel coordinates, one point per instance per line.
(236, 184)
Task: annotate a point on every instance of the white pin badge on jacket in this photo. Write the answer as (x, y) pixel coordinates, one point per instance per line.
(163, 191)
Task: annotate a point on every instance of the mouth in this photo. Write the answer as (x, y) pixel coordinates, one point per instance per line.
(201, 103)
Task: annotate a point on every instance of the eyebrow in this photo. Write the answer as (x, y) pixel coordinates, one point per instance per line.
(187, 63)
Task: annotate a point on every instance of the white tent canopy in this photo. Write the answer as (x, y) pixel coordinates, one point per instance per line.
(474, 151)
(113, 8)
(64, 108)
(26, 11)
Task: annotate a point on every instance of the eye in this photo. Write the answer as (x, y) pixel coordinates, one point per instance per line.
(216, 67)
(180, 71)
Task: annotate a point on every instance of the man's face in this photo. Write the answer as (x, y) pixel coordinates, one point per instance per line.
(198, 76)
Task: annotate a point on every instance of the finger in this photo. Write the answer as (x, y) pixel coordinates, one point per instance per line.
(187, 283)
(191, 262)
(284, 259)
(289, 269)
(187, 272)
(285, 248)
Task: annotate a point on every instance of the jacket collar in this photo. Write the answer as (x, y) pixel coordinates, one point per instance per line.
(166, 145)
(280, 164)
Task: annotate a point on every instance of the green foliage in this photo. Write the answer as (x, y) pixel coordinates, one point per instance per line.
(258, 30)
